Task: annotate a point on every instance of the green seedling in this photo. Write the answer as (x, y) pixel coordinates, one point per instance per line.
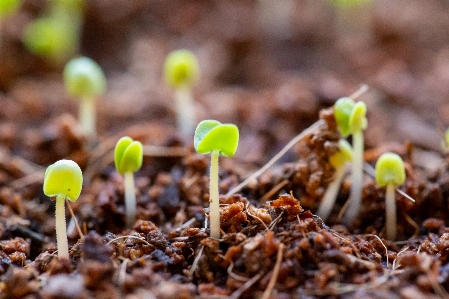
(9, 7)
(181, 72)
(62, 180)
(84, 79)
(351, 119)
(215, 138)
(390, 172)
(128, 156)
(338, 161)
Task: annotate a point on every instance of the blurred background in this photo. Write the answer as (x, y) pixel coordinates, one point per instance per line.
(269, 66)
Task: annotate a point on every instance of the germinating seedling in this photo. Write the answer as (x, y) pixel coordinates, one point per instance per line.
(390, 173)
(351, 119)
(213, 137)
(181, 72)
(85, 80)
(62, 180)
(128, 156)
(338, 161)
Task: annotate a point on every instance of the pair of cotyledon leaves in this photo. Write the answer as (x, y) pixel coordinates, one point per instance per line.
(212, 135)
(63, 177)
(128, 155)
(350, 116)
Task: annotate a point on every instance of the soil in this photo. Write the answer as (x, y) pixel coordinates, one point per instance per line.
(274, 69)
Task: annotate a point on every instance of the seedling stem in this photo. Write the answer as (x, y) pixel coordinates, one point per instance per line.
(87, 115)
(214, 212)
(130, 198)
(61, 233)
(390, 206)
(329, 197)
(186, 111)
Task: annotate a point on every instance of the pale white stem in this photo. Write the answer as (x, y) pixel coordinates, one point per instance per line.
(61, 233)
(214, 205)
(130, 199)
(355, 198)
(328, 201)
(390, 210)
(87, 116)
(185, 109)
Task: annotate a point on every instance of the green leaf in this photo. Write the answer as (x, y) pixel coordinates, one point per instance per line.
(212, 135)
(342, 112)
(83, 77)
(128, 155)
(63, 177)
(357, 120)
(9, 7)
(343, 155)
(181, 69)
(390, 169)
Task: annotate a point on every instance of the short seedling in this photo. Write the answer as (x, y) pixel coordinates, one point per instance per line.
(338, 161)
(390, 173)
(128, 156)
(62, 180)
(181, 72)
(213, 137)
(85, 80)
(351, 119)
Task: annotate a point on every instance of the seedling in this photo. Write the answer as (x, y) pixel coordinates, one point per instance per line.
(62, 180)
(338, 161)
(181, 72)
(351, 119)
(390, 173)
(215, 138)
(9, 7)
(85, 80)
(128, 157)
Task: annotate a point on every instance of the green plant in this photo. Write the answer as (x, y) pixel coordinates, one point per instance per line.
(338, 161)
(9, 7)
(181, 72)
(62, 180)
(128, 156)
(215, 138)
(390, 172)
(351, 119)
(85, 80)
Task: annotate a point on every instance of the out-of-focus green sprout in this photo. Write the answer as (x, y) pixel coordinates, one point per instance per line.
(390, 172)
(85, 80)
(9, 7)
(128, 156)
(56, 35)
(351, 119)
(338, 161)
(62, 180)
(181, 72)
(213, 137)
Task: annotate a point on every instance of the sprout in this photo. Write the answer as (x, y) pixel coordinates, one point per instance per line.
(62, 179)
(181, 72)
(128, 157)
(9, 7)
(213, 137)
(390, 173)
(351, 119)
(338, 161)
(85, 80)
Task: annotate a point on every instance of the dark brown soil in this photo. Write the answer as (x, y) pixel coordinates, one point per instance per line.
(273, 71)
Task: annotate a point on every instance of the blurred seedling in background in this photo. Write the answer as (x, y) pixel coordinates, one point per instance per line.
(338, 161)
(8, 8)
(390, 173)
(351, 119)
(215, 138)
(62, 180)
(128, 156)
(181, 72)
(85, 80)
(56, 35)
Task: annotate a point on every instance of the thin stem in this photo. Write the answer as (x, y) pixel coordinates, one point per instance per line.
(130, 199)
(214, 205)
(87, 116)
(356, 178)
(61, 233)
(328, 201)
(390, 209)
(185, 112)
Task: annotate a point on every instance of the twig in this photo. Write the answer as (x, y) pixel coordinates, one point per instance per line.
(274, 276)
(195, 262)
(289, 145)
(122, 273)
(273, 190)
(254, 216)
(245, 286)
(76, 221)
(132, 237)
(384, 246)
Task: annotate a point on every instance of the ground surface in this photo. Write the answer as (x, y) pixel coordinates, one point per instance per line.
(272, 69)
